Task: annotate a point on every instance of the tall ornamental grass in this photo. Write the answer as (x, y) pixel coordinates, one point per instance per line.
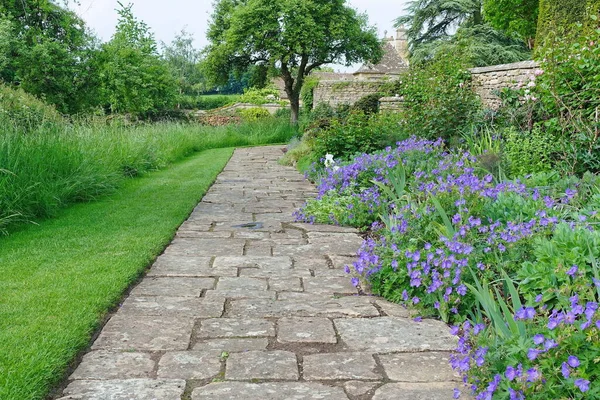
(47, 166)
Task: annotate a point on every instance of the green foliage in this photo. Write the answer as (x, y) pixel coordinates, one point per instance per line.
(260, 96)
(22, 110)
(438, 99)
(133, 77)
(254, 114)
(295, 36)
(208, 102)
(557, 18)
(183, 58)
(307, 92)
(368, 104)
(529, 152)
(517, 18)
(357, 133)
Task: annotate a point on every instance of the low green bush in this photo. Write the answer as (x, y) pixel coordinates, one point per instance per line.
(260, 96)
(25, 111)
(368, 104)
(254, 114)
(207, 102)
(529, 152)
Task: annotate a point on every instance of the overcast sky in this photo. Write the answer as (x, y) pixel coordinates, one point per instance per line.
(167, 18)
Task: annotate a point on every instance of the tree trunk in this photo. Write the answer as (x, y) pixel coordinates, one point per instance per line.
(295, 106)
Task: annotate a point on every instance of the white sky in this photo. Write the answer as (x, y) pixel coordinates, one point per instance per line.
(167, 18)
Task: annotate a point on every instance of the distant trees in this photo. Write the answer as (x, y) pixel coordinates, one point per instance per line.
(294, 36)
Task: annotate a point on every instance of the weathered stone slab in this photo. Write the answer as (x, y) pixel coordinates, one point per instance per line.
(281, 284)
(268, 391)
(250, 235)
(305, 330)
(139, 389)
(416, 391)
(242, 283)
(168, 306)
(332, 247)
(262, 365)
(393, 309)
(360, 388)
(336, 366)
(284, 273)
(342, 307)
(328, 285)
(390, 334)
(314, 263)
(262, 262)
(230, 327)
(340, 262)
(206, 247)
(258, 249)
(173, 287)
(303, 296)
(232, 345)
(189, 365)
(192, 234)
(122, 332)
(418, 367)
(106, 365)
(240, 294)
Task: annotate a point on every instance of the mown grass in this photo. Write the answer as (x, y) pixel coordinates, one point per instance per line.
(54, 165)
(58, 279)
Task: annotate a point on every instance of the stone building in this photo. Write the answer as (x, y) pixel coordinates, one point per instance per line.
(393, 63)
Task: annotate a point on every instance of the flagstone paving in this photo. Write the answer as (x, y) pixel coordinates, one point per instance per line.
(247, 304)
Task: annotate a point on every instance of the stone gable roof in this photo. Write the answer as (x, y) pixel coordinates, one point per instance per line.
(391, 63)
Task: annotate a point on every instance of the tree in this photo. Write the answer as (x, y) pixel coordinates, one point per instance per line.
(295, 36)
(134, 79)
(559, 17)
(517, 18)
(458, 26)
(183, 59)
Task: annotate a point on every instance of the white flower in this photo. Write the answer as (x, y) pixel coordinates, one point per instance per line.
(336, 168)
(329, 161)
(531, 84)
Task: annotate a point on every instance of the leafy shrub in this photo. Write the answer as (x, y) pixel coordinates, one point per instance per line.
(307, 92)
(207, 102)
(438, 99)
(358, 133)
(529, 152)
(260, 96)
(368, 104)
(254, 114)
(25, 111)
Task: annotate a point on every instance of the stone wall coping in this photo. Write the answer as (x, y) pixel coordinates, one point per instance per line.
(506, 67)
(391, 99)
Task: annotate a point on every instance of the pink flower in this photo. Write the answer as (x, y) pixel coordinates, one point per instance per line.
(538, 72)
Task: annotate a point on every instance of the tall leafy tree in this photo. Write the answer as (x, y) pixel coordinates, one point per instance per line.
(134, 79)
(559, 17)
(517, 18)
(295, 36)
(459, 26)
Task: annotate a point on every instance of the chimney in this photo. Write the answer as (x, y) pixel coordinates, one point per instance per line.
(401, 43)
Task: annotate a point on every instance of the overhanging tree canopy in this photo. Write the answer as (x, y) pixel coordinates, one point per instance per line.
(295, 36)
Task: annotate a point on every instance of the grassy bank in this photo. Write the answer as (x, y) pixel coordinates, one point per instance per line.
(56, 164)
(59, 278)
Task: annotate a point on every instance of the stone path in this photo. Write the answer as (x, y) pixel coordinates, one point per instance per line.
(246, 304)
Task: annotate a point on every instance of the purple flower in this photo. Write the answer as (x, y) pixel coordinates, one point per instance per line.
(573, 361)
(538, 339)
(539, 298)
(355, 281)
(533, 375)
(533, 353)
(454, 330)
(456, 393)
(566, 371)
(573, 270)
(525, 313)
(582, 384)
(510, 373)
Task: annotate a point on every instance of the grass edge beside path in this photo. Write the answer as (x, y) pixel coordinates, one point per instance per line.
(58, 279)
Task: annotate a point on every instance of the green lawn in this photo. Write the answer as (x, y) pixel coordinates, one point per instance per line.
(58, 279)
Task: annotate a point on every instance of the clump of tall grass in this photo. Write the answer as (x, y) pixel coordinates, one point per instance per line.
(46, 166)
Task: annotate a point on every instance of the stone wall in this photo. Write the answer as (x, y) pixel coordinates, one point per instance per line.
(487, 80)
(344, 92)
(390, 104)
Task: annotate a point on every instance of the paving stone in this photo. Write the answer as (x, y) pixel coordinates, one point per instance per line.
(168, 306)
(287, 273)
(285, 284)
(334, 308)
(268, 391)
(189, 365)
(305, 330)
(173, 287)
(262, 262)
(230, 327)
(206, 247)
(191, 234)
(390, 334)
(336, 366)
(329, 247)
(304, 296)
(262, 365)
(418, 367)
(329, 285)
(393, 309)
(416, 391)
(312, 263)
(337, 273)
(232, 345)
(251, 235)
(242, 283)
(258, 249)
(340, 262)
(360, 388)
(240, 294)
(122, 332)
(107, 365)
(138, 389)
(182, 266)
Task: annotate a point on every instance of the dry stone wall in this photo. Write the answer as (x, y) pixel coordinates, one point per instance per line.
(344, 92)
(488, 80)
(390, 104)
